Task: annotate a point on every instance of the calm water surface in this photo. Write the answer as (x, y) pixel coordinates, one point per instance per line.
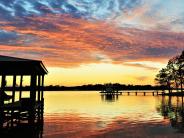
(88, 114)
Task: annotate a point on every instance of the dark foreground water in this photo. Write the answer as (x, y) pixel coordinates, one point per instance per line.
(88, 114)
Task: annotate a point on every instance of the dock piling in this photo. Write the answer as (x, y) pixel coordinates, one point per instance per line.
(153, 94)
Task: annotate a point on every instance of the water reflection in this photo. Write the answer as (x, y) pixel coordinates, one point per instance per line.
(109, 97)
(85, 115)
(172, 108)
(21, 121)
(23, 130)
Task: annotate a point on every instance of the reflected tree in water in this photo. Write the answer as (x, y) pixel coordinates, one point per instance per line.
(172, 108)
(23, 131)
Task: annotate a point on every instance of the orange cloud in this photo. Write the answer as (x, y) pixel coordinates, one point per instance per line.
(62, 40)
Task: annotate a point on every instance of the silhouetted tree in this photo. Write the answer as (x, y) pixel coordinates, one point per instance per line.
(163, 78)
(172, 68)
(180, 69)
(173, 74)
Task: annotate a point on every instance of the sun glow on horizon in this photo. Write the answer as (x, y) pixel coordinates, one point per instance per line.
(102, 73)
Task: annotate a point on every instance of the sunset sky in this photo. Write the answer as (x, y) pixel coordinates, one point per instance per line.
(94, 41)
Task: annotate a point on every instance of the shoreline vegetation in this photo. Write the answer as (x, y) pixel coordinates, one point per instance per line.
(94, 87)
(100, 87)
(172, 76)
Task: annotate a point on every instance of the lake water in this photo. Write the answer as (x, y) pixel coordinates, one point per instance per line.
(88, 114)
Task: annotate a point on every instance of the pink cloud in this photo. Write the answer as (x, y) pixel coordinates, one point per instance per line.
(61, 40)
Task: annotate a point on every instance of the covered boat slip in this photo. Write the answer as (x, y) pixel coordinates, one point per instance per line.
(17, 109)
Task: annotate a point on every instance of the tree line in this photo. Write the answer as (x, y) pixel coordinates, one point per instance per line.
(90, 87)
(172, 76)
(99, 87)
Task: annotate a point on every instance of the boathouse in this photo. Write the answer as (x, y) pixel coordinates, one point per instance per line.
(19, 101)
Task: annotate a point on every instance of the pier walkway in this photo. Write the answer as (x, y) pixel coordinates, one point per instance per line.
(135, 93)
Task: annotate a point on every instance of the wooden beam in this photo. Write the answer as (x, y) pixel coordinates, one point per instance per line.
(13, 91)
(153, 93)
(20, 93)
(39, 83)
(3, 82)
(13, 97)
(42, 97)
(144, 93)
(33, 88)
(32, 99)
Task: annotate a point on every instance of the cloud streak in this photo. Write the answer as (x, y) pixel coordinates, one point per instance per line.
(63, 40)
(70, 33)
(155, 14)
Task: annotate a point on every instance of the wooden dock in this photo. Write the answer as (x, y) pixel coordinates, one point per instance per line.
(173, 94)
(134, 93)
(111, 93)
(142, 93)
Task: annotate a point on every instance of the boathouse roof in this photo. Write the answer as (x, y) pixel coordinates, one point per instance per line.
(20, 66)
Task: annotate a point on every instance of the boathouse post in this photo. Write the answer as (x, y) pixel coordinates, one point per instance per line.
(13, 97)
(3, 81)
(42, 97)
(20, 92)
(38, 93)
(32, 98)
(13, 88)
(38, 96)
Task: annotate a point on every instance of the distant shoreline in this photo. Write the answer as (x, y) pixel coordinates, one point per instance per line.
(96, 90)
(100, 87)
(96, 87)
